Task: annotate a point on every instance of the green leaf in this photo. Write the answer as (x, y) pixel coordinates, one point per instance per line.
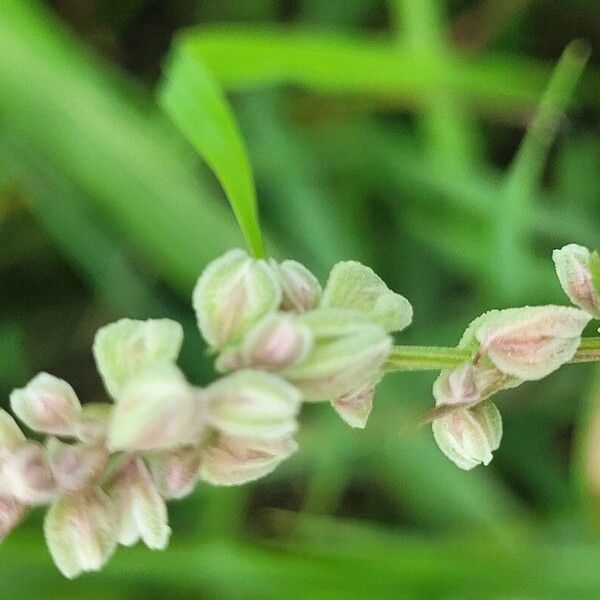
(194, 101)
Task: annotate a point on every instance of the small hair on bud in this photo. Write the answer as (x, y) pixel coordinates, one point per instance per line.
(232, 294)
(11, 513)
(575, 269)
(252, 404)
(125, 348)
(355, 408)
(175, 473)
(353, 286)
(301, 289)
(47, 404)
(234, 460)
(468, 436)
(81, 531)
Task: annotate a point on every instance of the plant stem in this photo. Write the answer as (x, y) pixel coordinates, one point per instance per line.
(436, 358)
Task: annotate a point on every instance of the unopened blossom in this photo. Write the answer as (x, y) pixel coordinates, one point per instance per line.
(468, 436)
(234, 460)
(253, 404)
(233, 293)
(176, 472)
(301, 290)
(575, 267)
(47, 404)
(355, 408)
(157, 410)
(127, 347)
(141, 512)
(92, 426)
(11, 435)
(11, 513)
(81, 531)
(352, 285)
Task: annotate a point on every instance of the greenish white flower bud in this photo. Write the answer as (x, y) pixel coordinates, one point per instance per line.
(11, 513)
(157, 411)
(232, 294)
(11, 435)
(74, 466)
(351, 285)
(252, 404)
(468, 436)
(127, 347)
(141, 511)
(81, 531)
(348, 352)
(457, 386)
(234, 460)
(92, 427)
(301, 289)
(175, 473)
(575, 267)
(355, 408)
(530, 342)
(47, 404)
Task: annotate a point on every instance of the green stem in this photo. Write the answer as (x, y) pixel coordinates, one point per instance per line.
(436, 358)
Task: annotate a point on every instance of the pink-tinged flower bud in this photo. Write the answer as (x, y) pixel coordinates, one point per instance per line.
(81, 531)
(74, 466)
(233, 293)
(141, 512)
(277, 342)
(348, 352)
(26, 475)
(175, 473)
(531, 342)
(468, 436)
(252, 404)
(92, 427)
(47, 404)
(356, 287)
(128, 347)
(575, 267)
(301, 289)
(157, 411)
(11, 435)
(231, 460)
(457, 386)
(11, 513)
(355, 408)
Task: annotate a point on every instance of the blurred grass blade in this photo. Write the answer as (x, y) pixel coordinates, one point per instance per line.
(193, 99)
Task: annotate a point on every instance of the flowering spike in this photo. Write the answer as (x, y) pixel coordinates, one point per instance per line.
(157, 411)
(80, 531)
(574, 267)
(468, 436)
(47, 404)
(127, 347)
(234, 292)
(253, 404)
(531, 342)
(301, 289)
(355, 408)
(352, 285)
(232, 460)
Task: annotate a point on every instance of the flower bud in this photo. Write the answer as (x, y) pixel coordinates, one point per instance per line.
(74, 466)
(234, 292)
(355, 408)
(468, 436)
(252, 404)
(276, 343)
(11, 435)
(348, 351)
(356, 287)
(531, 342)
(81, 531)
(301, 289)
(457, 386)
(231, 460)
(575, 267)
(127, 347)
(47, 404)
(157, 411)
(175, 473)
(26, 475)
(11, 513)
(141, 512)
(92, 427)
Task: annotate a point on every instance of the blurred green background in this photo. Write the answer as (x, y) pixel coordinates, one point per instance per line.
(379, 131)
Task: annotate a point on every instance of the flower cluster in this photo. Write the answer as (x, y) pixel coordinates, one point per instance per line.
(506, 348)
(106, 470)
